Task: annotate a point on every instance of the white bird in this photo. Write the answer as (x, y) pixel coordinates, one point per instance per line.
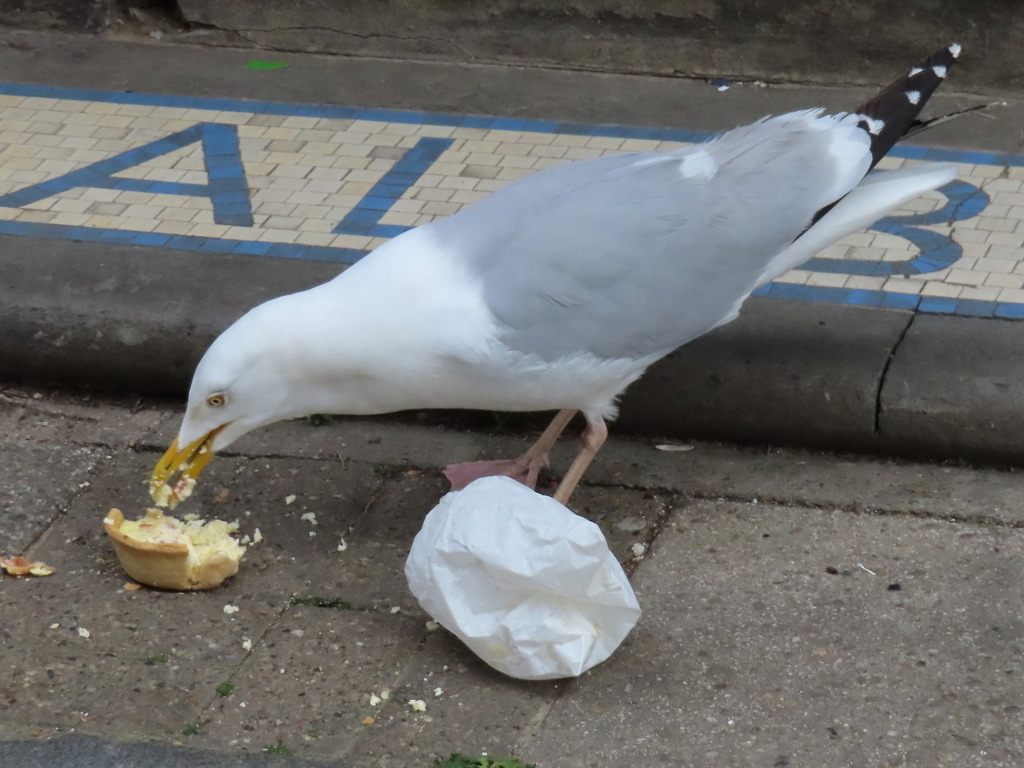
(559, 290)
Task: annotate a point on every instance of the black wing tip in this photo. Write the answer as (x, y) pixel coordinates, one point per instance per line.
(888, 115)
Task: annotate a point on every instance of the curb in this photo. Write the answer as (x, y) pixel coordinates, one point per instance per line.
(131, 318)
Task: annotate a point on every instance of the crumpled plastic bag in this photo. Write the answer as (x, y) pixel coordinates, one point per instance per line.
(529, 586)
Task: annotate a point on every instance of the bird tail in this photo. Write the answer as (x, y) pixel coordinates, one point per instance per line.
(893, 112)
(879, 193)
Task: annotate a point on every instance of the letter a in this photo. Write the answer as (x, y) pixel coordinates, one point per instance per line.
(226, 185)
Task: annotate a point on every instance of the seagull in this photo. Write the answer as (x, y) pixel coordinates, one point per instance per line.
(559, 290)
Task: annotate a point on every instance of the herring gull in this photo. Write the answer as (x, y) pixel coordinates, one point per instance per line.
(559, 290)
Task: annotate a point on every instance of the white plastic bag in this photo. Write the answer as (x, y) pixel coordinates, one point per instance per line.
(529, 586)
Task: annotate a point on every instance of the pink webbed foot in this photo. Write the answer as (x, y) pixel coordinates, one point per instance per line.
(521, 469)
(524, 469)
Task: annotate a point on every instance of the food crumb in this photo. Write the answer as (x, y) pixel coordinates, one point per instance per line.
(131, 586)
(418, 705)
(290, 498)
(83, 632)
(395, 609)
(375, 699)
(230, 609)
(55, 625)
(22, 566)
(433, 626)
(368, 721)
(247, 644)
(342, 544)
(309, 517)
(438, 691)
(639, 549)
(257, 537)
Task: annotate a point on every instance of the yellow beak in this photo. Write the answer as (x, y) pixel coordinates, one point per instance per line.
(174, 476)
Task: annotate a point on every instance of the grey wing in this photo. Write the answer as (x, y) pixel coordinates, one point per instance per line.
(634, 255)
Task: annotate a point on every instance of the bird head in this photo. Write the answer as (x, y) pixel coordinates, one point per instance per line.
(244, 381)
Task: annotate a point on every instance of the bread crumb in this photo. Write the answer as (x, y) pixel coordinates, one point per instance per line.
(418, 705)
(83, 632)
(230, 609)
(309, 517)
(22, 566)
(290, 498)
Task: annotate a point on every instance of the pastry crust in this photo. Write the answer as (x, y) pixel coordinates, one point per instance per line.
(162, 551)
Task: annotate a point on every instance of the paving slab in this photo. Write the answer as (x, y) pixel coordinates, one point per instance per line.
(744, 620)
(308, 683)
(88, 650)
(797, 637)
(466, 704)
(43, 479)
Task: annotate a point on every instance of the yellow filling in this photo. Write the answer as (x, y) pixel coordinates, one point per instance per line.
(203, 539)
(169, 553)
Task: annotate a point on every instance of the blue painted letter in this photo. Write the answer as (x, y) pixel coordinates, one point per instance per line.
(226, 184)
(364, 218)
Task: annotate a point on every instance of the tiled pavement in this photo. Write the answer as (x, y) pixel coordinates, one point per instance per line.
(330, 183)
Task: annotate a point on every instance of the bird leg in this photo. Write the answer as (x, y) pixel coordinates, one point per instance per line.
(593, 438)
(524, 469)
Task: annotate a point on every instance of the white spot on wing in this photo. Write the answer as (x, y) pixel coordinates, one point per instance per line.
(698, 166)
(873, 125)
(913, 96)
(939, 71)
(954, 50)
(915, 71)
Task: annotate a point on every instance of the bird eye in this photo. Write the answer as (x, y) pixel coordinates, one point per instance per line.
(217, 400)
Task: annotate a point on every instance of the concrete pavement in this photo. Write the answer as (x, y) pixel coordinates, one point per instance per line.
(800, 609)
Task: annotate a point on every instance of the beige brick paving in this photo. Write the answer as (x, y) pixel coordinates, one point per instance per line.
(305, 173)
